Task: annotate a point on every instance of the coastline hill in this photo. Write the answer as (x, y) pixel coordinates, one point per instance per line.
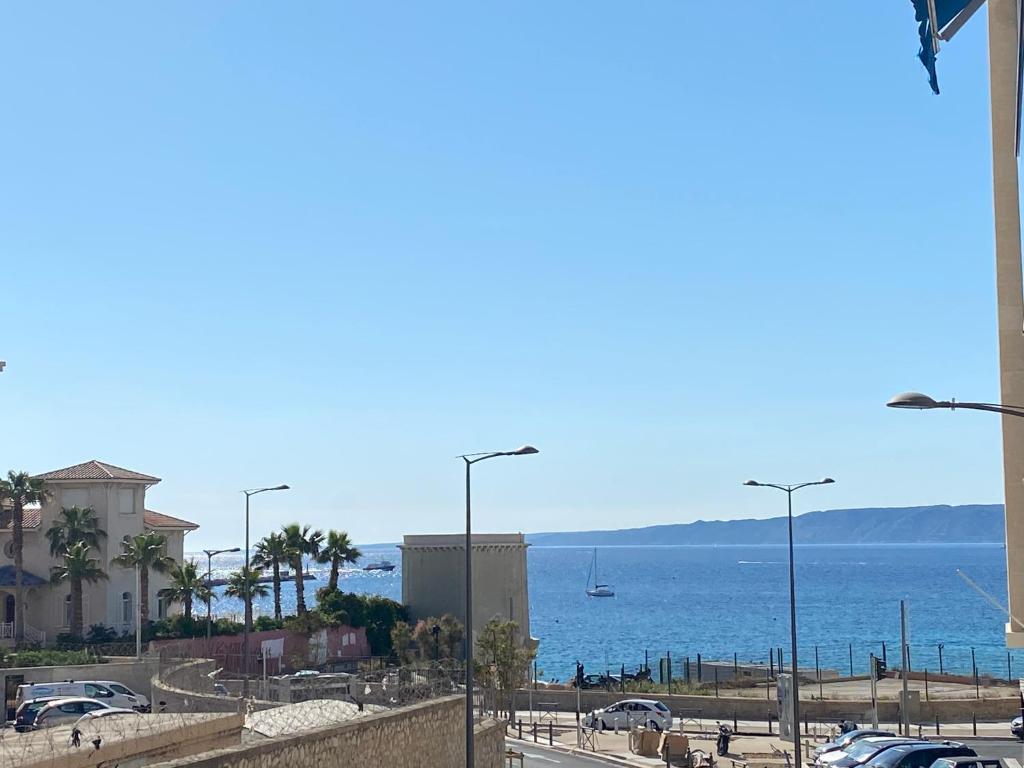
(939, 524)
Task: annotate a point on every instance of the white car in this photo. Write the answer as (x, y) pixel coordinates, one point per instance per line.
(109, 692)
(66, 711)
(629, 713)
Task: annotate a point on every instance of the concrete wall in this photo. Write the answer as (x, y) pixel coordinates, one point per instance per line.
(748, 708)
(434, 577)
(429, 734)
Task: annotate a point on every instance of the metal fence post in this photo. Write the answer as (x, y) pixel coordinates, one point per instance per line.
(551, 735)
(974, 723)
(716, 682)
(534, 733)
(520, 724)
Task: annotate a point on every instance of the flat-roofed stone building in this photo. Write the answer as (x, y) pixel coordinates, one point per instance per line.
(434, 578)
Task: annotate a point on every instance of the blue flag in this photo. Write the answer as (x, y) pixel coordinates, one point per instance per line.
(945, 12)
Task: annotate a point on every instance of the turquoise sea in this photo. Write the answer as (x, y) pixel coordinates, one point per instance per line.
(720, 601)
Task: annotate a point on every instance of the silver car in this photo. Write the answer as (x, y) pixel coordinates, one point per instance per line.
(67, 711)
(630, 713)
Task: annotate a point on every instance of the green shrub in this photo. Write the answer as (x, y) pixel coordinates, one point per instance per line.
(50, 658)
(99, 633)
(266, 623)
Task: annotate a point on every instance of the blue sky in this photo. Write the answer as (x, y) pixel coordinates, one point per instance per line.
(673, 244)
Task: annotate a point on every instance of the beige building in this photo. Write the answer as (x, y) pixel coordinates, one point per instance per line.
(118, 496)
(434, 577)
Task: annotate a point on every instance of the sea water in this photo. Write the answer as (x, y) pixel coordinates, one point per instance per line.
(734, 600)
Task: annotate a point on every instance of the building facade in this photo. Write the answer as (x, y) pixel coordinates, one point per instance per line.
(118, 497)
(434, 578)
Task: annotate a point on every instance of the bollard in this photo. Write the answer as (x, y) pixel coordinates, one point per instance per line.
(520, 724)
(974, 723)
(769, 723)
(667, 751)
(735, 722)
(937, 731)
(716, 682)
(534, 733)
(551, 736)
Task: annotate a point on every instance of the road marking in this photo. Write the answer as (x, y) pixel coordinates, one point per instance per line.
(535, 756)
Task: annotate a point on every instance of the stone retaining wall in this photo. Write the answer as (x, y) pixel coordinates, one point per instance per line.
(430, 734)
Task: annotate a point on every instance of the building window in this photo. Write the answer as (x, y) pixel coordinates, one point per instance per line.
(163, 604)
(127, 615)
(126, 501)
(74, 497)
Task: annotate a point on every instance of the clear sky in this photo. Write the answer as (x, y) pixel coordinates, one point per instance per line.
(672, 244)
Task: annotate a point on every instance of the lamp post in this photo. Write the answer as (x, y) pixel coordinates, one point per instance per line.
(470, 459)
(917, 401)
(210, 554)
(788, 490)
(245, 580)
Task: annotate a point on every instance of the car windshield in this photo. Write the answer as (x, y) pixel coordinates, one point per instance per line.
(862, 749)
(890, 757)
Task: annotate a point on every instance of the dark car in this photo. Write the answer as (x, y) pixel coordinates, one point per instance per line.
(25, 717)
(863, 751)
(848, 738)
(968, 762)
(920, 755)
(596, 681)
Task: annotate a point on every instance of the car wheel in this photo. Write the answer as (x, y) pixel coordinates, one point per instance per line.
(601, 725)
(653, 725)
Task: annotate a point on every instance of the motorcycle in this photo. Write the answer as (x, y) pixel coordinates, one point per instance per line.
(724, 734)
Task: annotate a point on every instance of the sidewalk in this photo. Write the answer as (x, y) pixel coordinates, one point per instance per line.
(751, 746)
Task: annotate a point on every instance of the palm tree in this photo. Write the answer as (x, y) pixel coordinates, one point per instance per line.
(20, 489)
(73, 526)
(272, 552)
(144, 551)
(337, 549)
(236, 584)
(77, 568)
(302, 541)
(187, 585)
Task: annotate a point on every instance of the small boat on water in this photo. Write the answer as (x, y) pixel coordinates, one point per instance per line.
(598, 590)
(382, 565)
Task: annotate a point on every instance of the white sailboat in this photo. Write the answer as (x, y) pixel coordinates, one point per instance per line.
(598, 590)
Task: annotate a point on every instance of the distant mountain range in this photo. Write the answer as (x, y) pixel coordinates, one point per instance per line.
(967, 524)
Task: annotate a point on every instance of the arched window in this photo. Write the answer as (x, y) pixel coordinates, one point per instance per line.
(127, 612)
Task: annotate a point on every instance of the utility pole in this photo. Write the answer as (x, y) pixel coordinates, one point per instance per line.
(905, 664)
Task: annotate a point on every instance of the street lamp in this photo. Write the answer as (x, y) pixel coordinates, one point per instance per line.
(470, 459)
(788, 489)
(210, 554)
(917, 401)
(245, 580)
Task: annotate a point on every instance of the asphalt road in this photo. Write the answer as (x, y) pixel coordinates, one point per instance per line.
(539, 757)
(995, 747)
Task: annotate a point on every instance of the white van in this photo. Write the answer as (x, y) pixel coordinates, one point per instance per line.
(103, 691)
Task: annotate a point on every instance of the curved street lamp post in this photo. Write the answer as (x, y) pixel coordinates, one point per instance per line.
(245, 580)
(470, 459)
(788, 490)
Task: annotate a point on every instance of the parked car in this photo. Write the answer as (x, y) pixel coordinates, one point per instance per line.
(861, 752)
(25, 714)
(96, 714)
(1017, 727)
(968, 762)
(596, 681)
(92, 689)
(845, 739)
(920, 755)
(67, 710)
(631, 712)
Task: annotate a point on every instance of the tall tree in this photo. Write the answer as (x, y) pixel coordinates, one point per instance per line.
(77, 525)
(337, 549)
(18, 490)
(146, 552)
(236, 584)
(272, 552)
(76, 568)
(302, 541)
(187, 586)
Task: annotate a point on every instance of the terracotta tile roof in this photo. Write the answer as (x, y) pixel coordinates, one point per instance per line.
(32, 517)
(160, 520)
(96, 470)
